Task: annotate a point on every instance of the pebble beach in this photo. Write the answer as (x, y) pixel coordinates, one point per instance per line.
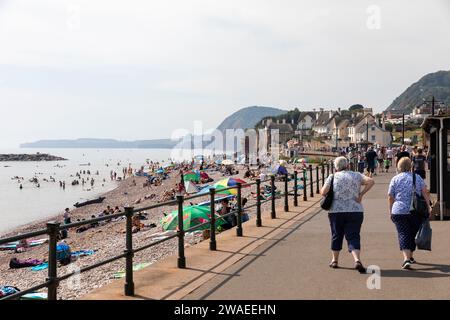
(108, 239)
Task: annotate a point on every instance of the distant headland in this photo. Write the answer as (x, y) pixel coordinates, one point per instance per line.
(30, 157)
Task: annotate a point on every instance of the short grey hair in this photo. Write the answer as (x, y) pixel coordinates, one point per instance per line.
(340, 163)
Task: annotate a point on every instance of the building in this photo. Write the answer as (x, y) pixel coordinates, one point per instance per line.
(365, 128)
(323, 125)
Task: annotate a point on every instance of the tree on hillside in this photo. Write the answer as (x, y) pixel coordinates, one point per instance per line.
(356, 107)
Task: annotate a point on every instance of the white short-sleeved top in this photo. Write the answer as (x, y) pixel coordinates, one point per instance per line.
(346, 187)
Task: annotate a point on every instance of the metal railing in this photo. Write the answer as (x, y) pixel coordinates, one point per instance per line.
(53, 228)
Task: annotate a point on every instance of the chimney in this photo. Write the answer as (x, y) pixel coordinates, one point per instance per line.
(331, 113)
(384, 123)
(339, 111)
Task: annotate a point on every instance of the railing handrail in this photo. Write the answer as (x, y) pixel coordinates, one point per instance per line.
(53, 228)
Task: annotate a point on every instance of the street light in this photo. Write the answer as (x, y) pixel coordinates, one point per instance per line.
(403, 128)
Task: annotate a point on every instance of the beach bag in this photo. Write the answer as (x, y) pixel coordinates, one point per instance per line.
(327, 201)
(63, 253)
(418, 203)
(424, 235)
(7, 291)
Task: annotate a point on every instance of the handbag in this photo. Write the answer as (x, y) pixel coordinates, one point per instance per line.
(418, 203)
(327, 201)
(423, 236)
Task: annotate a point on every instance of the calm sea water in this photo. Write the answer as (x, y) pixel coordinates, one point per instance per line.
(18, 207)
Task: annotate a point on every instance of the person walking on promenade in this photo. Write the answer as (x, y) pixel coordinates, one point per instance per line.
(371, 158)
(419, 161)
(346, 212)
(403, 153)
(406, 222)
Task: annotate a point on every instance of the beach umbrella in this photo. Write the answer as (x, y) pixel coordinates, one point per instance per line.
(190, 187)
(192, 216)
(225, 183)
(279, 169)
(227, 162)
(160, 171)
(191, 176)
(168, 165)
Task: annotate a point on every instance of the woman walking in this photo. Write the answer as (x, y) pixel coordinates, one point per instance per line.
(346, 212)
(406, 221)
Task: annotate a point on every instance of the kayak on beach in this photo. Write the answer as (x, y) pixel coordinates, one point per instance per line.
(82, 204)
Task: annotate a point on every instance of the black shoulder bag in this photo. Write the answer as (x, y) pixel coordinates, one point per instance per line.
(326, 202)
(419, 205)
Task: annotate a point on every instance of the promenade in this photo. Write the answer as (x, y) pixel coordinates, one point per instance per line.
(288, 259)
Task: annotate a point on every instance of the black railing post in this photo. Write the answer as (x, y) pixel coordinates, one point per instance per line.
(323, 174)
(311, 181)
(212, 230)
(305, 189)
(239, 210)
(286, 193)
(295, 189)
(273, 214)
(129, 284)
(317, 180)
(181, 257)
(258, 203)
(52, 230)
(328, 169)
(332, 167)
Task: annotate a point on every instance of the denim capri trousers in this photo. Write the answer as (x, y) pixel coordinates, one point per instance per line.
(407, 227)
(346, 224)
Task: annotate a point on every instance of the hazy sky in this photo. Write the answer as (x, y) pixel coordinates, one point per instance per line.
(122, 69)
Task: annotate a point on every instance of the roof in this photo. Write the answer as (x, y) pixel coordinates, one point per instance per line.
(324, 118)
(431, 122)
(281, 127)
(306, 113)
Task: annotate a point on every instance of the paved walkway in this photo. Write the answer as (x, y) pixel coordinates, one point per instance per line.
(288, 259)
(295, 266)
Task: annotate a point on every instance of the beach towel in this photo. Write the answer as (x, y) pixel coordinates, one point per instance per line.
(40, 267)
(34, 296)
(137, 267)
(15, 263)
(82, 253)
(31, 243)
(7, 291)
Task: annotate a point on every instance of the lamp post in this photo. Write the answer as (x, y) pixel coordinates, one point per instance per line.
(403, 128)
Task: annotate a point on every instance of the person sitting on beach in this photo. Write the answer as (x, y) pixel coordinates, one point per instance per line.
(224, 210)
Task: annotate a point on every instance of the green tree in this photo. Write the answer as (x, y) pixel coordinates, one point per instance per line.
(356, 107)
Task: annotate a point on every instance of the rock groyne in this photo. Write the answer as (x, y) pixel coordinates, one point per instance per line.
(30, 157)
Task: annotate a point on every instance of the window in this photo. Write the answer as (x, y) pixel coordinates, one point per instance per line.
(373, 138)
(373, 128)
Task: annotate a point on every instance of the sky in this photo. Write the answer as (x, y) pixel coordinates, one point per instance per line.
(141, 69)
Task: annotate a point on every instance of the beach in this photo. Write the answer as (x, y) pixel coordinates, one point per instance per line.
(109, 239)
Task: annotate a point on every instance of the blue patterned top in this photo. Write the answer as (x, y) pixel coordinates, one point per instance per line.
(346, 188)
(401, 189)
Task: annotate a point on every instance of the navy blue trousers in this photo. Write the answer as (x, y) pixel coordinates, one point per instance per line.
(346, 224)
(407, 227)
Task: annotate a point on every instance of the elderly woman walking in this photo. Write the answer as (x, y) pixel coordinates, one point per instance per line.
(406, 221)
(346, 212)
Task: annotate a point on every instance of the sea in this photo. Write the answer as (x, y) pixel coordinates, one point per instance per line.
(31, 203)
